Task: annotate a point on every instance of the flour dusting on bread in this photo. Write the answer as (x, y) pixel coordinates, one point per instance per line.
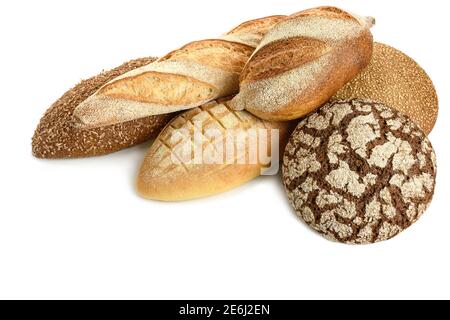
(284, 82)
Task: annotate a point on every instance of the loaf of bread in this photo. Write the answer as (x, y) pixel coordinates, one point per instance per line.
(358, 171)
(57, 137)
(302, 61)
(398, 81)
(196, 73)
(226, 140)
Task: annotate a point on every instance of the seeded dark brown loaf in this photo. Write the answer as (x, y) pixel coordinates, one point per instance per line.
(186, 78)
(389, 73)
(57, 137)
(303, 61)
(358, 171)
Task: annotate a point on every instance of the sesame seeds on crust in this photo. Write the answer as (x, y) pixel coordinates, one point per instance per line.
(397, 80)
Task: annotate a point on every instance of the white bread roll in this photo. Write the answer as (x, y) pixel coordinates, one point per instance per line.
(166, 174)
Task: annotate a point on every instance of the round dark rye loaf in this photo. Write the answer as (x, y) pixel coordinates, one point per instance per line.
(359, 172)
(57, 137)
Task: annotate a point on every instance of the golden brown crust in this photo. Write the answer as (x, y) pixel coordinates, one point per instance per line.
(343, 67)
(165, 87)
(221, 54)
(56, 136)
(188, 77)
(157, 87)
(303, 61)
(326, 11)
(283, 55)
(257, 26)
(196, 73)
(161, 178)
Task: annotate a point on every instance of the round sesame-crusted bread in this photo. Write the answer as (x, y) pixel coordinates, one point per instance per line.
(389, 73)
(358, 171)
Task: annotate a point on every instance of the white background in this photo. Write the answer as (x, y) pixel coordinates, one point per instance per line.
(77, 229)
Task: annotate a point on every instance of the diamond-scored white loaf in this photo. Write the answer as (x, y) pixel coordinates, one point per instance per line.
(188, 77)
(302, 61)
(167, 175)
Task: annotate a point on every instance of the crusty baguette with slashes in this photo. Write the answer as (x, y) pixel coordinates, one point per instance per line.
(302, 61)
(173, 170)
(56, 136)
(186, 78)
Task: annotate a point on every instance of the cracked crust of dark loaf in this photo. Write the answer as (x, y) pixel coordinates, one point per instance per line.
(360, 165)
(57, 137)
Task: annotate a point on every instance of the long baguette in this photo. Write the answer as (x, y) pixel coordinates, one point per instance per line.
(302, 61)
(196, 73)
(57, 137)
